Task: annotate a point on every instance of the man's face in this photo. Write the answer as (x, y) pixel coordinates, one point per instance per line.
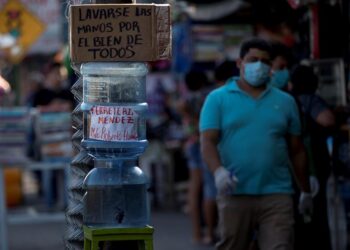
(255, 55)
(255, 67)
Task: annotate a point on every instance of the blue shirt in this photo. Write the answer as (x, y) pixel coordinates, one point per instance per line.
(253, 136)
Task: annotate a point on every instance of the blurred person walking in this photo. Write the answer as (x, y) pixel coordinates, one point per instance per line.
(54, 95)
(303, 75)
(318, 120)
(33, 86)
(281, 64)
(201, 191)
(224, 71)
(282, 61)
(248, 130)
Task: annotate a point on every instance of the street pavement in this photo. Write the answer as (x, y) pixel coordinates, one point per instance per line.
(172, 232)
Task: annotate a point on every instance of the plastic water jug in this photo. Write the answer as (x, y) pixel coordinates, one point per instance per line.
(116, 194)
(114, 106)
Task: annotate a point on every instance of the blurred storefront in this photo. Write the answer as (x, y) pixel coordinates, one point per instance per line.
(31, 35)
(37, 27)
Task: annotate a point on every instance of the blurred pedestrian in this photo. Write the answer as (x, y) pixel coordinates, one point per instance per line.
(282, 60)
(55, 95)
(52, 96)
(33, 86)
(318, 120)
(201, 190)
(281, 64)
(248, 130)
(224, 71)
(281, 79)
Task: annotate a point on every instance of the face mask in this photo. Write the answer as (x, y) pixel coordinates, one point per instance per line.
(256, 73)
(280, 78)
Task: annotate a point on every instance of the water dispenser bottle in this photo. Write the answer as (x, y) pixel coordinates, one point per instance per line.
(114, 106)
(116, 194)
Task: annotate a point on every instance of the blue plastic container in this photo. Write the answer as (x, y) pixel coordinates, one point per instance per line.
(114, 106)
(116, 194)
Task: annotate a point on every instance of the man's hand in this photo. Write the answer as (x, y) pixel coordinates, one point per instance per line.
(305, 204)
(225, 182)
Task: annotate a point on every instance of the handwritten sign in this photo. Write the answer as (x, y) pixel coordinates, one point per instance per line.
(120, 32)
(113, 123)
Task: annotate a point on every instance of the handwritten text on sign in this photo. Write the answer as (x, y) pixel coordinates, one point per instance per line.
(108, 123)
(112, 32)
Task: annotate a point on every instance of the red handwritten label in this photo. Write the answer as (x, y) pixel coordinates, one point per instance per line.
(109, 123)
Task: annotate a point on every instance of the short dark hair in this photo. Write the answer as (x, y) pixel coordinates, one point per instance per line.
(225, 70)
(196, 79)
(255, 43)
(303, 79)
(279, 49)
(51, 66)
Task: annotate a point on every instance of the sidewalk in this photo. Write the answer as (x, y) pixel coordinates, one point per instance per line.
(172, 232)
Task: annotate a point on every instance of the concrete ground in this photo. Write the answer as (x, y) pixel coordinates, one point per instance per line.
(172, 226)
(172, 232)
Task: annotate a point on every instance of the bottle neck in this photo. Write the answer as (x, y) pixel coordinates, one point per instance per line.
(115, 163)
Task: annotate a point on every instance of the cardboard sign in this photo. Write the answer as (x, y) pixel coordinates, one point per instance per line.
(113, 123)
(120, 32)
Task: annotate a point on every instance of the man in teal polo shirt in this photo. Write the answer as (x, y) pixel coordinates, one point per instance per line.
(250, 136)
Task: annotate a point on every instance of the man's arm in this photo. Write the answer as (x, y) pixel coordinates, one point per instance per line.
(208, 141)
(225, 181)
(299, 162)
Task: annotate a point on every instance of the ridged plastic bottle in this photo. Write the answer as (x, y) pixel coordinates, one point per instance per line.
(114, 94)
(116, 194)
(114, 134)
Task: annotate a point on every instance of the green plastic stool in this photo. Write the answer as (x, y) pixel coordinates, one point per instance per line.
(142, 236)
